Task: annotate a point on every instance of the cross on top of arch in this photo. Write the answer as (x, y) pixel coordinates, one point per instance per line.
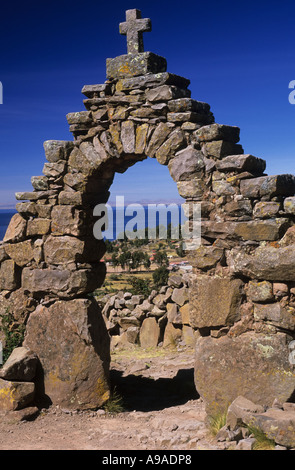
(133, 28)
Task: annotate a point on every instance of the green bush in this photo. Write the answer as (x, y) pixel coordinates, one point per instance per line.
(13, 334)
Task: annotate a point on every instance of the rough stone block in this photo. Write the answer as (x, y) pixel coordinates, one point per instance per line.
(40, 183)
(187, 162)
(141, 138)
(56, 150)
(239, 409)
(9, 275)
(63, 282)
(38, 226)
(15, 395)
(66, 249)
(276, 315)
(260, 291)
(128, 136)
(131, 65)
(165, 93)
(172, 335)
(266, 262)
(149, 333)
(260, 230)
(175, 141)
(266, 210)
(253, 165)
(20, 366)
(82, 117)
(67, 220)
(218, 132)
(215, 301)
(276, 424)
(181, 105)
(21, 253)
(151, 80)
(158, 137)
(180, 296)
(76, 358)
(221, 148)
(16, 230)
(289, 205)
(194, 188)
(268, 186)
(207, 257)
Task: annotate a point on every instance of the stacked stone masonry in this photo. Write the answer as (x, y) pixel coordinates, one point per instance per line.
(242, 290)
(161, 319)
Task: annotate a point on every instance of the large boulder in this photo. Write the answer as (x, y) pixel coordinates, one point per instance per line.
(255, 366)
(72, 344)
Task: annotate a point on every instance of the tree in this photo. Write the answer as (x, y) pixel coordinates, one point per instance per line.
(125, 259)
(180, 251)
(161, 258)
(160, 276)
(115, 260)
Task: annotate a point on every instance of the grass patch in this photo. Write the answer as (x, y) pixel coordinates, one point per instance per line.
(217, 422)
(262, 441)
(139, 353)
(114, 405)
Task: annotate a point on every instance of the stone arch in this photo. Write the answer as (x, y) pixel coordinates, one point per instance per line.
(50, 260)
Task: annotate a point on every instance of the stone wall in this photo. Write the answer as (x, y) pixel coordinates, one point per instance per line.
(161, 319)
(242, 292)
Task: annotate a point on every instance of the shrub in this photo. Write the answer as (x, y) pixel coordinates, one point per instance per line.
(13, 334)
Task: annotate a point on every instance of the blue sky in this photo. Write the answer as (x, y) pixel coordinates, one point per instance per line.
(239, 56)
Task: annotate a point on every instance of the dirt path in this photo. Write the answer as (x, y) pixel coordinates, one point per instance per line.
(162, 411)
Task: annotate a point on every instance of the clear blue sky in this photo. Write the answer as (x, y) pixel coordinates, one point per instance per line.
(239, 56)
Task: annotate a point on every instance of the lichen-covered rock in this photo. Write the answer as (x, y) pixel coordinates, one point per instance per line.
(215, 301)
(266, 262)
(218, 132)
(131, 65)
(268, 186)
(276, 424)
(75, 359)
(260, 291)
(15, 395)
(253, 365)
(21, 253)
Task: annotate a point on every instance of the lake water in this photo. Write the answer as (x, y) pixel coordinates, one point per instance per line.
(5, 216)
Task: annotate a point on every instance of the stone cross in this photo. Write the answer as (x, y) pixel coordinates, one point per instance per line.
(133, 28)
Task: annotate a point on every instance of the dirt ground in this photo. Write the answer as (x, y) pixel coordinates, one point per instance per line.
(162, 411)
